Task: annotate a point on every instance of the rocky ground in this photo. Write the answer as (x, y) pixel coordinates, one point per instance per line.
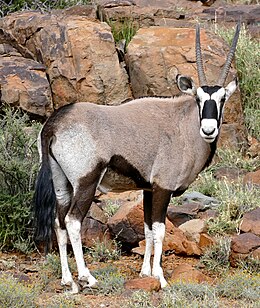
(185, 242)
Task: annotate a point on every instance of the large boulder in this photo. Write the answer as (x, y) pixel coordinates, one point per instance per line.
(79, 55)
(94, 226)
(23, 81)
(127, 224)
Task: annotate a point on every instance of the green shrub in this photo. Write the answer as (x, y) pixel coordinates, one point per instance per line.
(183, 294)
(14, 294)
(18, 169)
(111, 207)
(105, 250)
(240, 286)
(250, 265)
(51, 268)
(110, 281)
(139, 299)
(216, 258)
(123, 29)
(8, 7)
(234, 198)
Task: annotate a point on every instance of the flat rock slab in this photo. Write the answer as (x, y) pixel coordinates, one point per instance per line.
(251, 222)
(188, 273)
(146, 284)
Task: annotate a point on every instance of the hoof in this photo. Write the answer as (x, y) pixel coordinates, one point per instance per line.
(70, 287)
(90, 290)
(88, 282)
(163, 283)
(145, 273)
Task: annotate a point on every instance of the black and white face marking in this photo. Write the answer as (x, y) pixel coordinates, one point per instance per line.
(210, 101)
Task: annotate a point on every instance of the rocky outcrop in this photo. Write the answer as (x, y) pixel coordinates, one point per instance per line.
(179, 13)
(24, 83)
(78, 55)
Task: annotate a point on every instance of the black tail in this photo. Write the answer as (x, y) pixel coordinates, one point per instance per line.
(44, 203)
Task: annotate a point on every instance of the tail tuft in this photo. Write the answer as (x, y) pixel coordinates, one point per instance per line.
(44, 206)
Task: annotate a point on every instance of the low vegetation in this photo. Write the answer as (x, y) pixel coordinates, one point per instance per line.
(247, 64)
(7, 7)
(234, 197)
(217, 256)
(102, 251)
(16, 295)
(239, 290)
(18, 168)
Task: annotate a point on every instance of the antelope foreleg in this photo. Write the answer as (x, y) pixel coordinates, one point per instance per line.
(158, 230)
(146, 267)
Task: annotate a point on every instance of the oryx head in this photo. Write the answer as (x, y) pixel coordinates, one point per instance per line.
(210, 99)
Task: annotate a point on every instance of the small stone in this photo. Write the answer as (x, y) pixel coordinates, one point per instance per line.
(243, 246)
(195, 196)
(252, 178)
(251, 222)
(187, 273)
(193, 228)
(206, 241)
(147, 284)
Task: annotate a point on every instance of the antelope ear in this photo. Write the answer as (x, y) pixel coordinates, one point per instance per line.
(231, 88)
(186, 84)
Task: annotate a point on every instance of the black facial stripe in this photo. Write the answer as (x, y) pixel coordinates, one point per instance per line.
(210, 89)
(210, 110)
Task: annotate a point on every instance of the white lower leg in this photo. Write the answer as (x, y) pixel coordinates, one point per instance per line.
(158, 236)
(73, 227)
(62, 243)
(146, 267)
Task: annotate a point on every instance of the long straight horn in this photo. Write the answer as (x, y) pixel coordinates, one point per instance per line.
(224, 73)
(201, 74)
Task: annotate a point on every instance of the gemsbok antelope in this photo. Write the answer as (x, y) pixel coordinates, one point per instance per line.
(158, 145)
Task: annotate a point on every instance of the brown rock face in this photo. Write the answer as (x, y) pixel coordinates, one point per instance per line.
(94, 226)
(24, 83)
(79, 55)
(128, 223)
